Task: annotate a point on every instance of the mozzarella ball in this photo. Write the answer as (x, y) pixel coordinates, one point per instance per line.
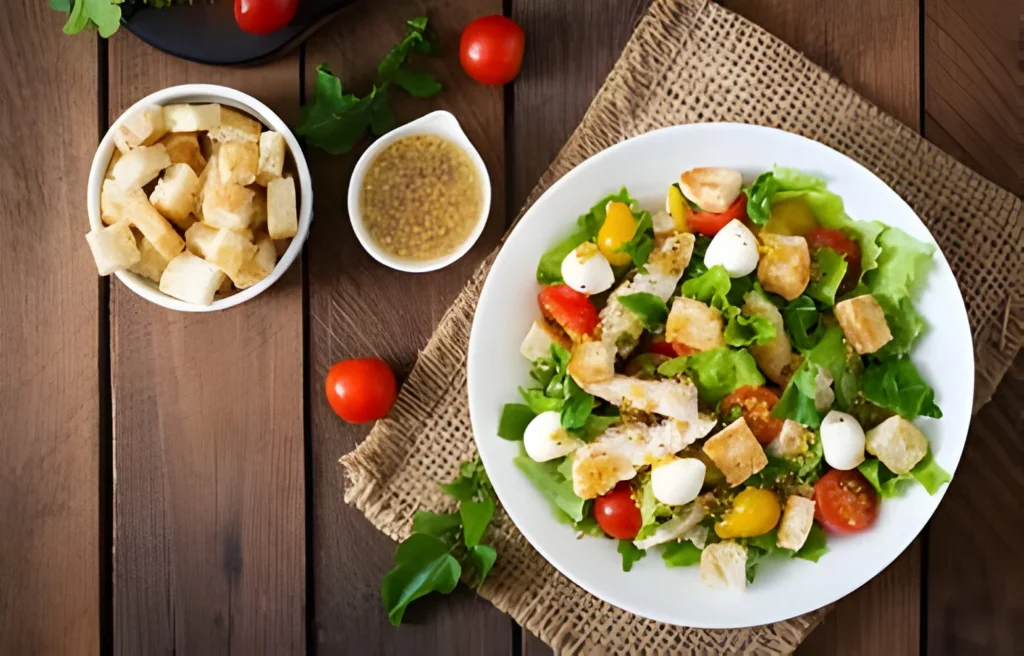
(842, 440)
(677, 481)
(735, 248)
(545, 439)
(587, 271)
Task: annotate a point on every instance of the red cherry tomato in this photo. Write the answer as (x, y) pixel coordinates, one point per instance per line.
(617, 514)
(570, 309)
(662, 348)
(361, 389)
(491, 49)
(844, 501)
(757, 404)
(709, 223)
(840, 243)
(264, 16)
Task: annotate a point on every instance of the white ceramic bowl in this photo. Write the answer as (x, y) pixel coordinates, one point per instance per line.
(508, 304)
(442, 124)
(207, 93)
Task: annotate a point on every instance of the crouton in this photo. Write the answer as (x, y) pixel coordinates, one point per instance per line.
(236, 125)
(191, 279)
(795, 525)
(592, 362)
(713, 189)
(237, 162)
(538, 341)
(792, 440)
(736, 452)
(139, 167)
(259, 266)
(175, 193)
(151, 263)
(724, 565)
(191, 118)
(183, 148)
(143, 127)
(259, 206)
(899, 444)
(228, 206)
(113, 200)
(229, 250)
(776, 357)
(113, 248)
(863, 322)
(272, 155)
(694, 324)
(199, 238)
(785, 266)
(282, 215)
(141, 213)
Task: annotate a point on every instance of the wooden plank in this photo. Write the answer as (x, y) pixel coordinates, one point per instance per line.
(49, 339)
(873, 46)
(358, 307)
(974, 106)
(208, 432)
(559, 79)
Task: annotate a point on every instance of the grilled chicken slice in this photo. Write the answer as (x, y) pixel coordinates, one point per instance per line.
(672, 398)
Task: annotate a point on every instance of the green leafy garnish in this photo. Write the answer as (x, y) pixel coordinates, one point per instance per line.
(831, 267)
(650, 309)
(577, 407)
(680, 554)
(640, 246)
(743, 330)
(814, 546)
(716, 372)
(896, 385)
(442, 544)
(554, 484)
(797, 400)
(335, 121)
(801, 318)
(830, 353)
(766, 545)
(515, 417)
(595, 425)
(927, 472)
(630, 554)
(104, 15)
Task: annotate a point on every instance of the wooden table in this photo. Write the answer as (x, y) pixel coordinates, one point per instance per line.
(169, 482)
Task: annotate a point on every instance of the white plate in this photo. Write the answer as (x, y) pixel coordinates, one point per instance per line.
(647, 165)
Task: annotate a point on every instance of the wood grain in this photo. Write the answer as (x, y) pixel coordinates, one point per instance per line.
(974, 104)
(208, 437)
(358, 307)
(873, 46)
(49, 337)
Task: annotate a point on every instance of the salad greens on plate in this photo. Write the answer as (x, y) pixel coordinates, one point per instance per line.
(728, 379)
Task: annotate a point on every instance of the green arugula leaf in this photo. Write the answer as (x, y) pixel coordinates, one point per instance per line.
(543, 370)
(716, 372)
(801, 318)
(515, 417)
(382, 118)
(415, 35)
(549, 268)
(577, 407)
(831, 267)
(759, 206)
(650, 309)
(476, 515)
(482, 557)
(416, 83)
(896, 385)
(438, 525)
(640, 246)
(681, 554)
(423, 564)
(630, 554)
(553, 485)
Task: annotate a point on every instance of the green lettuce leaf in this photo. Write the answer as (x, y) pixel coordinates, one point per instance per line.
(802, 321)
(651, 510)
(681, 554)
(832, 267)
(712, 287)
(630, 554)
(927, 472)
(650, 309)
(797, 400)
(902, 263)
(905, 324)
(743, 330)
(554, 485)
(716, 372)
(815, 546)
(897, 385)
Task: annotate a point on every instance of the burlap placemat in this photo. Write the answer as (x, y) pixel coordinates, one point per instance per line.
(674, 71)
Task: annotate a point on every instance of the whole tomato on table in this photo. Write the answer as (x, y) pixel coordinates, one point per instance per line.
(264, 16)
(361, 389)
(491, 49)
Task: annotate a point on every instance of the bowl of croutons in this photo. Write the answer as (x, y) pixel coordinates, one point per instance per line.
(199, 198)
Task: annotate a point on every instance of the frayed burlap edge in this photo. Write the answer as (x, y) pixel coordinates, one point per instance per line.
(428, 432)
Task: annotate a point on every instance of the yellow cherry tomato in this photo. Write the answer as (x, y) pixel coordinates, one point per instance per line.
(791, 217)
(754, 512)
(618, 228)
(678, 208)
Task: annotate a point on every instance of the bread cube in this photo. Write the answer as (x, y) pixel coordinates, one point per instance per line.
(139, 167)
(141, 213)
(538, 341)
(259, 206)
(792, 440)
(592, 362)
(151, 263)
(114, 199)
(694, 324)
(713, 189)
(199, 238)
(785, 266)
(899, 444)
(795, 525)
(229, 250)
(724, 565)
(175, 193)
(282, 215)
(228, 206)
(191, 279)
(272, 154)
(113, 248)
(775, 358)
(183, 148)
(237, 162)
(863, 322)
(143, 127)
(736, 452)
(114, 159)
(236, 125)
(259, 266)
(209, 180)
(191, 118)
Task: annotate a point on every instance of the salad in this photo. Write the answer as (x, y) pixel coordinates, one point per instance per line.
(728, 379)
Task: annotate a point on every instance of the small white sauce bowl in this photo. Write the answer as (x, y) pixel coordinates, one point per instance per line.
(207, 93)
(442, 124)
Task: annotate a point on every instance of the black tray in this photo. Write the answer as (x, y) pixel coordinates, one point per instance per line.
(206, 32)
